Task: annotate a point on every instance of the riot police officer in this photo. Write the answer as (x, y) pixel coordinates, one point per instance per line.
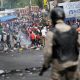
(61, 49)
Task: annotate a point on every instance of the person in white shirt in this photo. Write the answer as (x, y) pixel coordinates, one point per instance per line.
(44, 32)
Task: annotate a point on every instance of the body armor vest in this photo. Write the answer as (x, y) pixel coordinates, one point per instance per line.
(66, 48)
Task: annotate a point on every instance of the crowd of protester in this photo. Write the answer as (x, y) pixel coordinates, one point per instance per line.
(74, 23)
(27, 32)
(24, 32)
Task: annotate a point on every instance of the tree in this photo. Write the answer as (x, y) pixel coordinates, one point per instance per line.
(39, 3)
(21, 3)
(9, 3)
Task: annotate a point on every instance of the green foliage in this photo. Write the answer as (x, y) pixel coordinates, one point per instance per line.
(39, 3)
(21, 3)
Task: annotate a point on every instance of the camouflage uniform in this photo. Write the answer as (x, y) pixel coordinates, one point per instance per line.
(58, 69)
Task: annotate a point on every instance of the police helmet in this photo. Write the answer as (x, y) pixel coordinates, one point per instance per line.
(57, 14)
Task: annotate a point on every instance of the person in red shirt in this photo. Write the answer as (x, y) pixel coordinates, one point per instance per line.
(32, 37)
(38, 39)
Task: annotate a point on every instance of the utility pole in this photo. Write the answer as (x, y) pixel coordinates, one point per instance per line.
(2, 3)
(30, 3)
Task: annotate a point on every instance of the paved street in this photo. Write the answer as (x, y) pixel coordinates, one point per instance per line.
(21, 61)
(16, 60)
(29, 59)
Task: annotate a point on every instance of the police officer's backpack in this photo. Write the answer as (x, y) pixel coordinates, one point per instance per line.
(66, 45)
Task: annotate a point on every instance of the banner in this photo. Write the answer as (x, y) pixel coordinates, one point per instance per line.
(71, 9)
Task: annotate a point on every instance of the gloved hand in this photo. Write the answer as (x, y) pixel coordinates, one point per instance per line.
(43, 70)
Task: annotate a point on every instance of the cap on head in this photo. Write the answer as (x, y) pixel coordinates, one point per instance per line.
(57, 14)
